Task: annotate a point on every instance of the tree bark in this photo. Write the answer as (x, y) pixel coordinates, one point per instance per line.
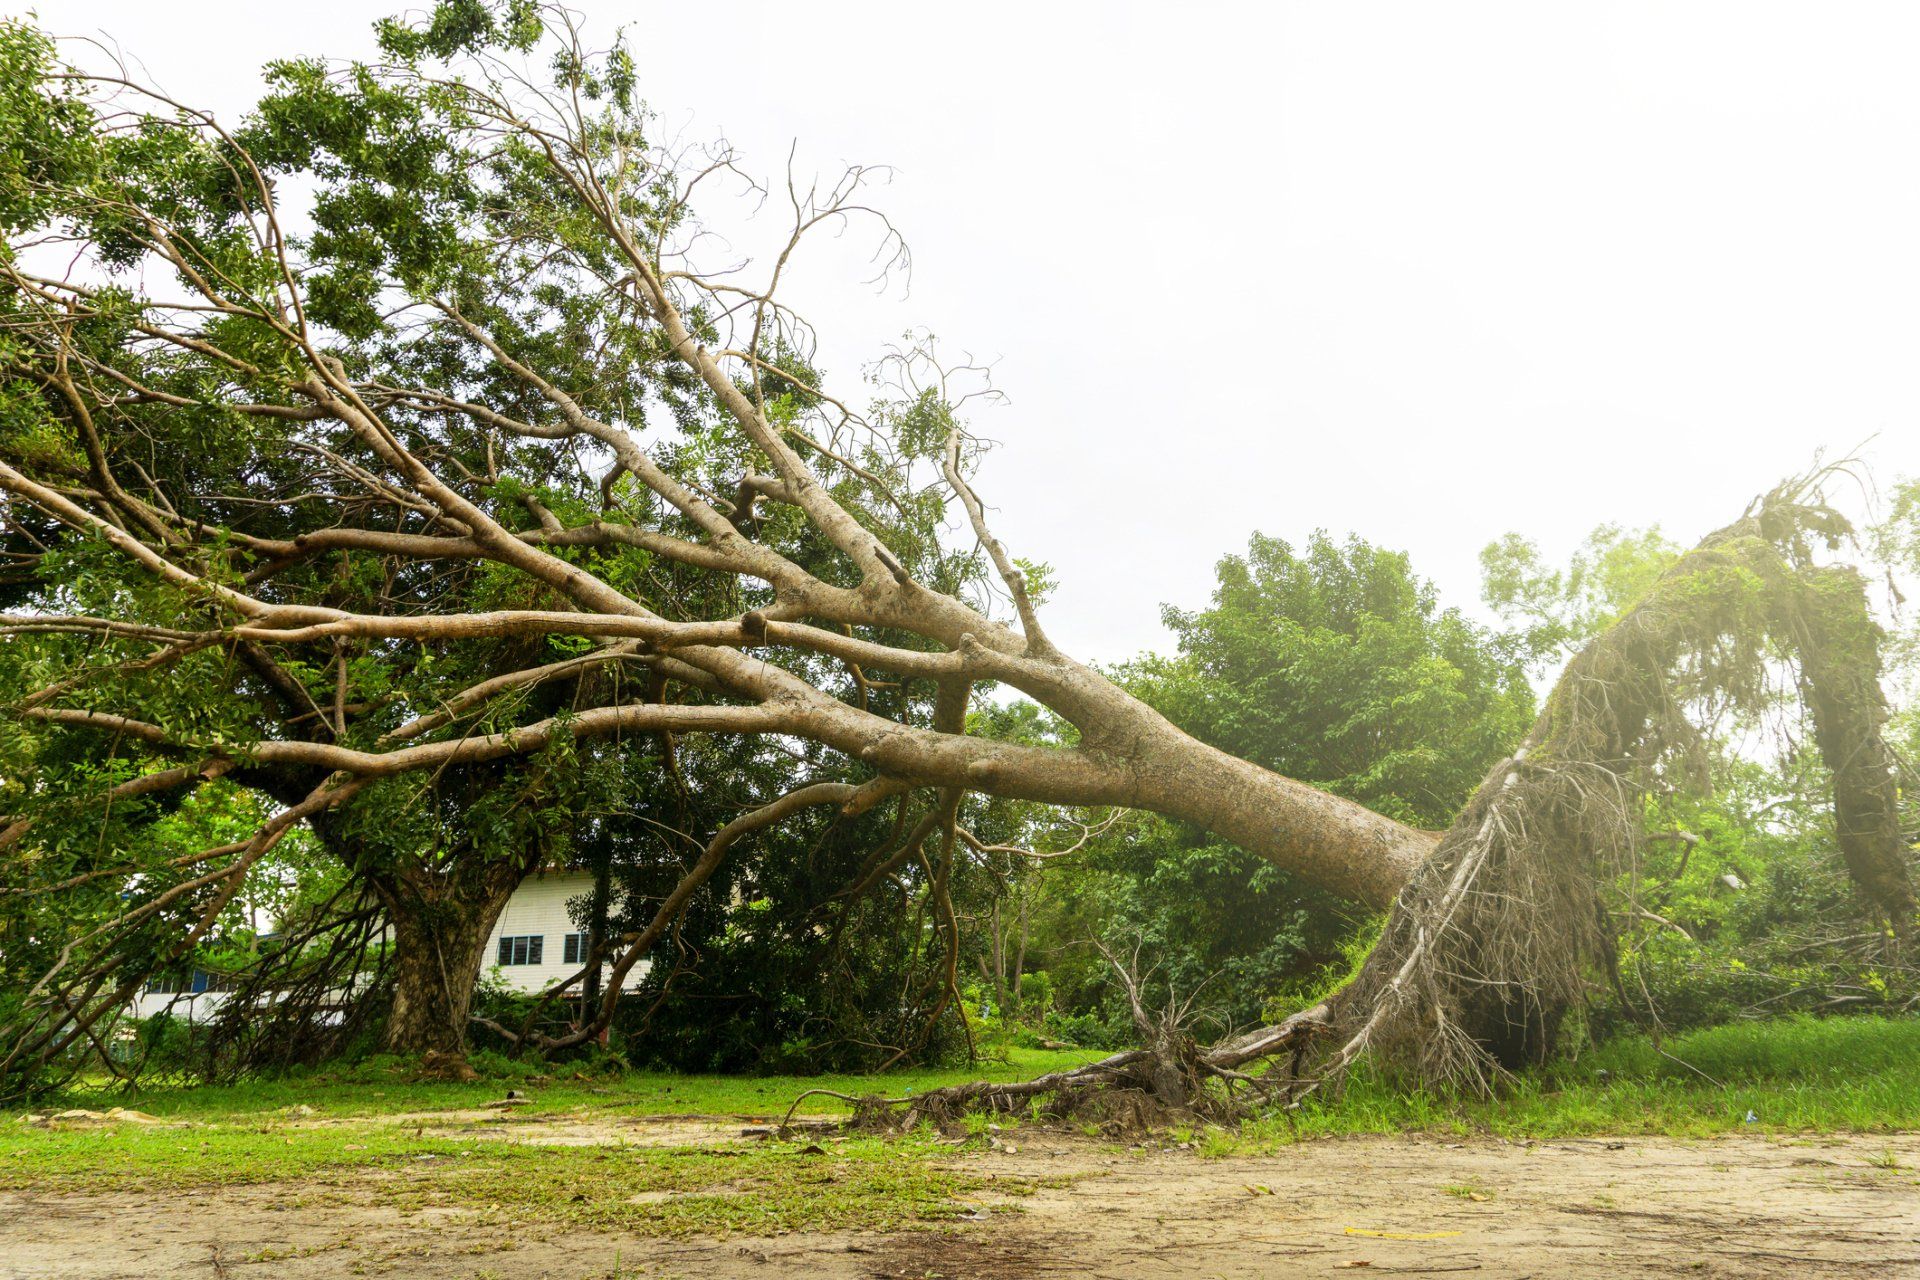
(598, 909)
(1018, 978)
(439, 932)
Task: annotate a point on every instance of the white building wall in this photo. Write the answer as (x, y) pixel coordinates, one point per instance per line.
(538, 908)
(189, 1008)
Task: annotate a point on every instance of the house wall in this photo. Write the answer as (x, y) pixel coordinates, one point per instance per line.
(187, 1005)
(537, 908)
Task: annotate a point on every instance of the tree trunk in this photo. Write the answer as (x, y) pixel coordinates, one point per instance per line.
(997, 938)
(597, 912)
(1131, 756)
(1018, 977)
(439, 935)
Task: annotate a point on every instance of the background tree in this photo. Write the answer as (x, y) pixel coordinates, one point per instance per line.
(1563, 608)
(1335, 665)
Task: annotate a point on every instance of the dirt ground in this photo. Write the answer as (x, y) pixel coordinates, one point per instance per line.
(1737, 1206)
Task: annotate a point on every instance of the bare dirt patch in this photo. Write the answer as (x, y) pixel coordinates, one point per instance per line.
(1416, 1206)
(573, 1129)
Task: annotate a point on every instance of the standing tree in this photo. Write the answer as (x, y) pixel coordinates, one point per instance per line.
(497, 361)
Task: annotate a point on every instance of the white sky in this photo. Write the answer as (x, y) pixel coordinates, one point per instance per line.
(1423, 272)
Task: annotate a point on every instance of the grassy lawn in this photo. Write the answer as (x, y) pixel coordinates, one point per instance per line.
(1843, 1074)
(335, 1133)
(860, 1183)
(384, 1087)
(1848, 1075)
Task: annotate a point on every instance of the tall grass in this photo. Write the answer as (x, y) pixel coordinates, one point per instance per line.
(1789, 1076)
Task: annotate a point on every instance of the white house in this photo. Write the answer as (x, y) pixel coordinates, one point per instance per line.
(534, 944)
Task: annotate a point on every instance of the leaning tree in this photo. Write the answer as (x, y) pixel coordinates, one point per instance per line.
(420, 390)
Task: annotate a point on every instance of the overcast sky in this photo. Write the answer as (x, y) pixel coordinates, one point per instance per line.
(1423, 272)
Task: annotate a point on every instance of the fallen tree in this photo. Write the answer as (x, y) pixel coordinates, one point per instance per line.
(452, 381)
(494, 397)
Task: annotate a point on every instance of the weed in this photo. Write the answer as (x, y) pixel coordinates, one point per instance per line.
(1216, 1142)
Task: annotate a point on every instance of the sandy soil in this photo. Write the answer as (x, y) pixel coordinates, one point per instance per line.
(1735, 1206)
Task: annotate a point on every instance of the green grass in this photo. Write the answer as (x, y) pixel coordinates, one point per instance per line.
(1792, 1077)
(1853, 1075)
(1843, 1074)
(346, 1144)
(126, 1156)
(864, 1183)
(384, 1087)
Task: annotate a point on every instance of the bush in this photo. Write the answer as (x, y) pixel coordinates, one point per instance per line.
(1088, 1031)
(164, 1044)
(1036, 995)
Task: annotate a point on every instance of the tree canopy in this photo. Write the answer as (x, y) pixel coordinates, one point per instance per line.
(1336, 665)
(483, 466)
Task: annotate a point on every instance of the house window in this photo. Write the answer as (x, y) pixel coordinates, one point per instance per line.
(574, 948)
(190, 982)
(524, 949)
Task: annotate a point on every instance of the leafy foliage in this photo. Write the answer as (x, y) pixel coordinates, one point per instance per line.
(1335, 665)
(1560, 609)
